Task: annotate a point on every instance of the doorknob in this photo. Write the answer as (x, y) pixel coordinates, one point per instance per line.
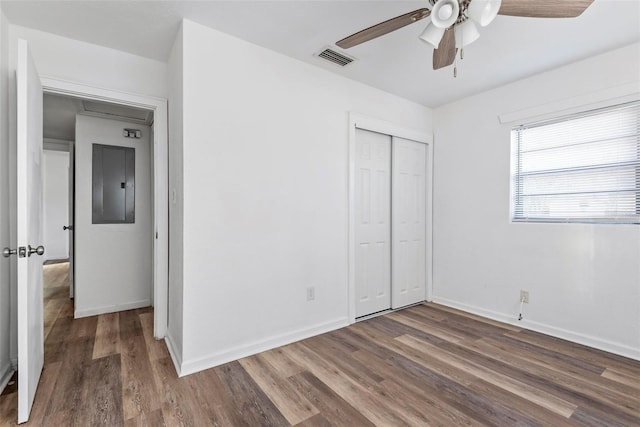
(6, 252)
(21, 251)
(67, 227)
(39, 250)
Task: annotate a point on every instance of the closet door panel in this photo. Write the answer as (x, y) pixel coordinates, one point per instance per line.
(408, 259)
(372, 222)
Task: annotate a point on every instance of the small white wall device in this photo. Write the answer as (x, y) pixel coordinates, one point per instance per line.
(132, 133)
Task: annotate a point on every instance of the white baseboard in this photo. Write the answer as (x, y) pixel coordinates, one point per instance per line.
(192, 366)
(588, 340)
(111, 308)
(5, 375)
(173, 352)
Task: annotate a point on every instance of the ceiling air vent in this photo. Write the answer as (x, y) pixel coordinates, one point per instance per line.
(336, 57)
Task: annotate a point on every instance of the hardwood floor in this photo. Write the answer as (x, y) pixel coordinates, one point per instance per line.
(426, 365)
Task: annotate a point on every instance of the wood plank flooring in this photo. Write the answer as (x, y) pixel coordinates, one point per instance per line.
(425, 365)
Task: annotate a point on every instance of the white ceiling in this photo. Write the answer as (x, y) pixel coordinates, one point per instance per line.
(59, 115)
(509, 49)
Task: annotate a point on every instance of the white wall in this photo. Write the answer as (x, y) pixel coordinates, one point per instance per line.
(55, 196)
(174, 335)
(584, 280)
(5, 289)
(265, 194)
(94, 65)
(112, 261)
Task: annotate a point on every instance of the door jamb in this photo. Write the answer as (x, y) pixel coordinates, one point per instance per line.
(161, 179)
(359, 121)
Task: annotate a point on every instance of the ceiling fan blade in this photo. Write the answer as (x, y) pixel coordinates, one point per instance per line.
(544, 8)
(445, 54)
(383, 28)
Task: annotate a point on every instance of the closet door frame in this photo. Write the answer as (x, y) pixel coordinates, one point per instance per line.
(358, 121)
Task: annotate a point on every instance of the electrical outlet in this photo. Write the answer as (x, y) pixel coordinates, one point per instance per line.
(524, 296)
(311, 293)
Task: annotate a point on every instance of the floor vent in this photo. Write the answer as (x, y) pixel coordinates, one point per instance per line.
(335, 57)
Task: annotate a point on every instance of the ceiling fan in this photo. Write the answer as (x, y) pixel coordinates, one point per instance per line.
(453, 22)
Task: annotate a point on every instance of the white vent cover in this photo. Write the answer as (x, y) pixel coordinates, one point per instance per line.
(336, 57)
(115, 111)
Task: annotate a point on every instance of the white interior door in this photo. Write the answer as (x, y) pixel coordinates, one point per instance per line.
(29, 231)
(408, 225)
(71, 211)
(372, 222)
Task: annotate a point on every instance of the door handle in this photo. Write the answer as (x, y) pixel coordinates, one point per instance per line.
(21, 251)
(39, 250)
(67, 227)
(6, 252)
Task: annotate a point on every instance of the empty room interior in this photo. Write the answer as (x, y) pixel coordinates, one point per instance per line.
(320, 213)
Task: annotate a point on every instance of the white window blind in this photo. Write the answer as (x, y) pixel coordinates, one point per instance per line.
(581, 168)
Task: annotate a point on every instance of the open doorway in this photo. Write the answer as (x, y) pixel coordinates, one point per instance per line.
(112, 104)
(109, 252)
(57, 188)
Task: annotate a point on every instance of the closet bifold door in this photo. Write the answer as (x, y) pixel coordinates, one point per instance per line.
(372, 222)
(408, 229)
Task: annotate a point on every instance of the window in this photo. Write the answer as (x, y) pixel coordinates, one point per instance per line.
(581, 168)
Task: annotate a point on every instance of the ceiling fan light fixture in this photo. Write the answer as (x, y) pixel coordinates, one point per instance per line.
(483, 11)
(466, 33)
(445, 13)
(432, 35)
